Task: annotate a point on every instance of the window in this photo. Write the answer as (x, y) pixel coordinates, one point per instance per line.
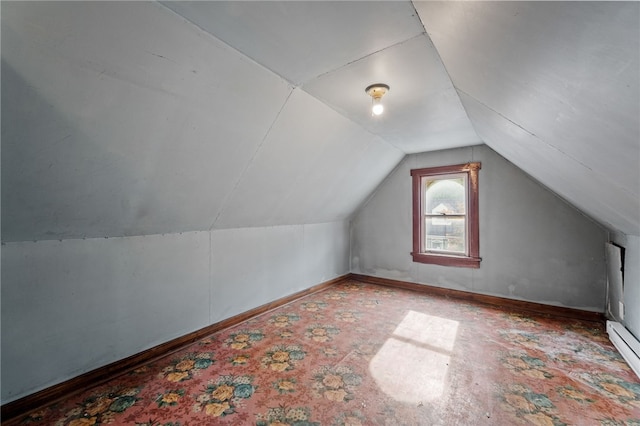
(445, 215)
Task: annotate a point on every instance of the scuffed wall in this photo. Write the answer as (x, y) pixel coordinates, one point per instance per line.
(534, 246)
(74, 305)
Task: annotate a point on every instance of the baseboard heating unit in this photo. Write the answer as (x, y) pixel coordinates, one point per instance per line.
(626, 344)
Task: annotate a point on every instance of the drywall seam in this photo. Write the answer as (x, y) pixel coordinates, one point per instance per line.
(253, 156)
(208, 34)
(375, 190)
(555, 148)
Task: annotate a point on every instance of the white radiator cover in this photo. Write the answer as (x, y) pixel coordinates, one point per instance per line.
(626, 344)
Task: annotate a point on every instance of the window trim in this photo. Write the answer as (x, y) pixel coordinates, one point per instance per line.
(472, 260)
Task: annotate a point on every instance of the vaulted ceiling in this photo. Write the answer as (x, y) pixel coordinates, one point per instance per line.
(139, 118)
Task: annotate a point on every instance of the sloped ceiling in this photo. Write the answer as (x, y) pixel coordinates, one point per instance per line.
(138, 118)
(555, 88)
(334, 50)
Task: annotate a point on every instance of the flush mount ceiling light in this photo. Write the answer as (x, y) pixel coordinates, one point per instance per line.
(377, 91)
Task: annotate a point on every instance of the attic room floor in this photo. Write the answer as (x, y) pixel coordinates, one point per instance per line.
(361, 354)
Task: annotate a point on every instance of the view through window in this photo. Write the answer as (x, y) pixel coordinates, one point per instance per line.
(445, 215)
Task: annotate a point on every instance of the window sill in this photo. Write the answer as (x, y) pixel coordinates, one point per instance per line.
(447, 260)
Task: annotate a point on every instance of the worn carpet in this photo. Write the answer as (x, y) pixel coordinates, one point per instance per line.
(360, 354)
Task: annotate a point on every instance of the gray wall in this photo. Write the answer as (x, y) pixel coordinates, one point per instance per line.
(122, 119)
(74, 305)
(631, 294)
(534, 246)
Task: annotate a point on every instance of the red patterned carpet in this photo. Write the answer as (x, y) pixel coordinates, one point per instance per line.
(360, 354)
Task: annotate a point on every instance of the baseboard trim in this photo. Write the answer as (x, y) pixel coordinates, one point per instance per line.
(502, 302)
(14, 410)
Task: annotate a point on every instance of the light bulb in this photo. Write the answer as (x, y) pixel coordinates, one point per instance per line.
(377, 91)
(377, 107)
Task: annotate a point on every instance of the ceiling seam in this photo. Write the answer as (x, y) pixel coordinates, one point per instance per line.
(242, 54)
(253, 156)
(354, 122)
(523, 129)
(364, 57)
(375, 190)
(421, 34)
(302, 86)
(296, 86)
(444, 67)
(292, 84)
(546, 143)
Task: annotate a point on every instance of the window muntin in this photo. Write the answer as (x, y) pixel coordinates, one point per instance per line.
(445, 215)
(444, 211)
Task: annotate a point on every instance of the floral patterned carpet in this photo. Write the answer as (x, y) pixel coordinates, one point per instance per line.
(360, 354)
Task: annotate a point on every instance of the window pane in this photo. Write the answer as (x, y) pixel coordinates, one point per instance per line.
(445, 215)
(446, 234)
(445, 196)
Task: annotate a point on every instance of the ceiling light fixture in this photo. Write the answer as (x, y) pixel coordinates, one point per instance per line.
(377, 91)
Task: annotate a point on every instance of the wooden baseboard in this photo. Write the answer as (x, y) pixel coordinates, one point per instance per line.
(502, 302)
(12, 412)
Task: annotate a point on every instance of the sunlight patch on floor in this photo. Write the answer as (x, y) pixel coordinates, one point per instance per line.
(411, 366)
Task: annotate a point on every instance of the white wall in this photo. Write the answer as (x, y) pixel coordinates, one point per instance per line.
(534, 246)
(74, 305)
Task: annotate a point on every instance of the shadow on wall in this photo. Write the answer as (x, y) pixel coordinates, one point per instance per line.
(44, 155)
(48, 160)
